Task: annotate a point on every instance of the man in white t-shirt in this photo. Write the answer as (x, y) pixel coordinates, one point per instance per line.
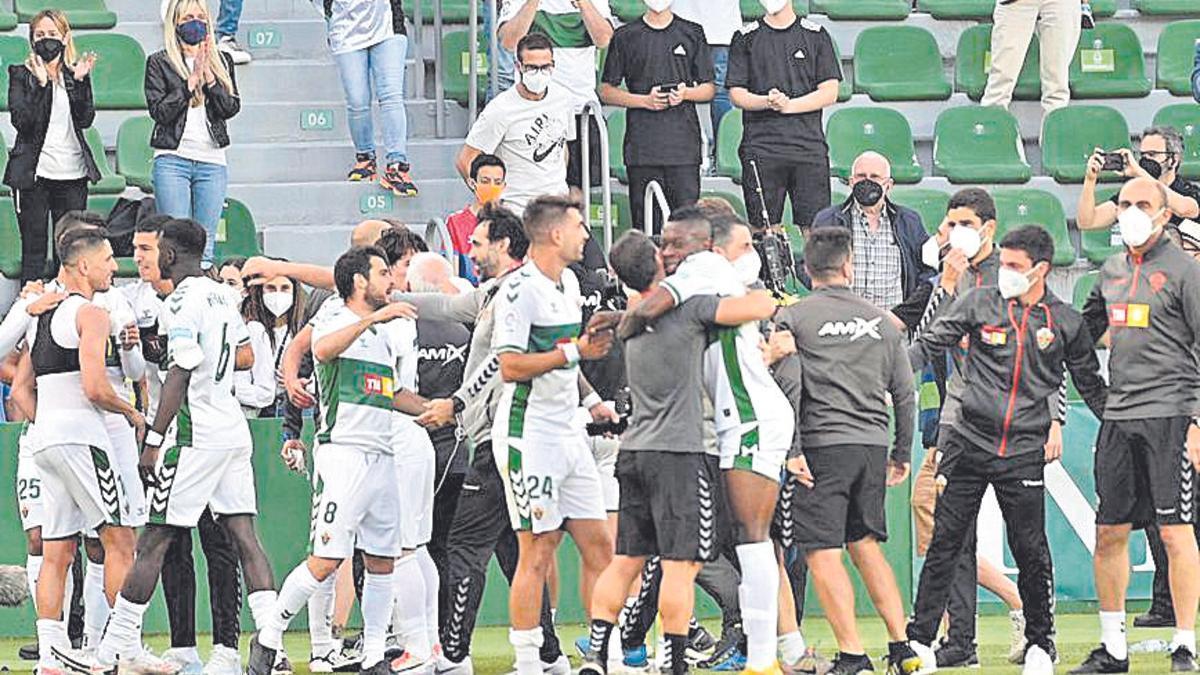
(527, 126)
(576, 29)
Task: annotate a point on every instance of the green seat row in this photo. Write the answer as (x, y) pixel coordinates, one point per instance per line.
(117, 79)
(1069, 135)
(80, 13)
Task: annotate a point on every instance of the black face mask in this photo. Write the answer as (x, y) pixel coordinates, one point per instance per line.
(1151, 167)
(867, 192)
(48, 49)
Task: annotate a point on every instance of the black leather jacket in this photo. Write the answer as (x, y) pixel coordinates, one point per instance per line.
(30, 104)
(168, 98)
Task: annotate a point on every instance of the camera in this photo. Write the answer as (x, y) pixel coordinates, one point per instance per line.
(778, 265)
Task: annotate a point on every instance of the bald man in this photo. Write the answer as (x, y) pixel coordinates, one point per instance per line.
(1148, 450)
(888, 271)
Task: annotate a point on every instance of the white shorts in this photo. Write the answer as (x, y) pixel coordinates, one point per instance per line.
(760, 447)
(548, 480)
(416, 464)
(355, 503)
(80, 490)
(604, 451)
(125, 452)
(29, 488)
(190, 480)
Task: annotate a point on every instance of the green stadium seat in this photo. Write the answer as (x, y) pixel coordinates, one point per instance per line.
(1083, 288)
(622, 215)
(899, 63)
(1167, 7)
(734, 199)
(120, 71)
(1186, 118)
(135, 157)
(10, 240)
(974, 59)
(1109, 63)
(627, 10)
(453, 11)
(13, 49)
(80, 13)
(110, 182)
(979, 145)
(852, 131)
(1176, 55)
(846, 86)
(931, 204)
(616, 144)
(1071, 134)
(729, 138)
(1099, 245)
(1017, 206)
(1104, 8)
(752, 10)
(8, 20)
(236, 232)
(957, 9)
(862, 10)
(456, 73)
(4, 189)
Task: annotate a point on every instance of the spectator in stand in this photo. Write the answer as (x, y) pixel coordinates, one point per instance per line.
(273, 315)
(721, 19)
(663, 61)
(370, 44)
(230, 272)
(783, 71)
(527, 127)
(1058, 24)
(888, 271)
(50, 96)
(191, 94)
(1161, 153)
(228, 18)
(505, 59)
(576, 28)
(486, 180)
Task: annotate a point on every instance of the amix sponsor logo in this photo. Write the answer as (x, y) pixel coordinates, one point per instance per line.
(853, 329)
(447, 354)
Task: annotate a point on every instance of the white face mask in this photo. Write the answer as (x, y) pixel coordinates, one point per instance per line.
(931, 253)
(773, 6)
(658, 5)
(1013, 283)
(966, 239)
(748, 267)
(1137, 226)
(277, 302)
(536, 81)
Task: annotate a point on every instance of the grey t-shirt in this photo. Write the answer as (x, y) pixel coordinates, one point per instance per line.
(663, 366)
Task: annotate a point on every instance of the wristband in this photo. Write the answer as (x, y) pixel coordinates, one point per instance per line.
(591, 401)
(153, 439)
(458, 403)
(571, 351)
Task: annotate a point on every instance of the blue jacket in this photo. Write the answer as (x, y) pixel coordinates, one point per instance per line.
(910, 234)
(1196, 76)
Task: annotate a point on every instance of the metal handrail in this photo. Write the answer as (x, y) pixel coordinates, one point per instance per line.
(654, 197)
(439, 89)
(473, 71)
(493, 47)
(593, 108)
(418, 42)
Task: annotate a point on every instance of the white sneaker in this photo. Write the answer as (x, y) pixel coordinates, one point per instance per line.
(230, 46)
(223, 661)
(444, 666)
(561, 666)
(146, 663)
(1016, 637)
(336, 660)
(81, 661)
(1037, 662)
(928, 658)
(187, 658)
(409, 663)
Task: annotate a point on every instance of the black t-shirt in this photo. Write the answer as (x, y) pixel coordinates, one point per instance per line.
(441, 361)
(793, 60)
(644, 57)
(1179, 186)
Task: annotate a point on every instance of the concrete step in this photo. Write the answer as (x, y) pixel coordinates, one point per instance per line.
(329, 162)
(318, 204)
(150, 10)
(301, 80)
(322, 121)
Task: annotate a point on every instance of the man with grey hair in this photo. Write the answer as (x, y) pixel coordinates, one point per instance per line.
(887, 237)
(429, 272)
(1161, 153)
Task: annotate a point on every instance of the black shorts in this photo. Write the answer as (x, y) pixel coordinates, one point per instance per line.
(846, 502)
(1143, 474)
(671, 505)
(575, 155)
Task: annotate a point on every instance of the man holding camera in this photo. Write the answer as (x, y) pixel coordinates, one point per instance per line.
(665, 64)
(1161, 153)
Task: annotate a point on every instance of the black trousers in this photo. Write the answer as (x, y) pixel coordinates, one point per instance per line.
(719, 579)
(680, 184)
(805, 184)
(224, 584)
(480, 528)
(964, 599)
(38, 209)
(1018, 482)
(445, 503)
(575, 155)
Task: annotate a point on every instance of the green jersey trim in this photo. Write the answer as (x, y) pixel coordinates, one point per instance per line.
(546, 338)
(566, 31)
(353, 382)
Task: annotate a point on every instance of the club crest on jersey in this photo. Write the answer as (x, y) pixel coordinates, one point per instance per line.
(1045, 337)
(995, 336)
(853, 329)
(325, 537)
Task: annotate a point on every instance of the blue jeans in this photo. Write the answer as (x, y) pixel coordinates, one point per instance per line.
(379, 67)
(196, 190)
(228, 18)
(720, 103)
(505, 60)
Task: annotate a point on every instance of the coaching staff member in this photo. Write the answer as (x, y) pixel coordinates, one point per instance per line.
(783, 71)
(1020, 338)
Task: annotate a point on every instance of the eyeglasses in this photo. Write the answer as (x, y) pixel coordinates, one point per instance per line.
(1157, 154)
(548, 68)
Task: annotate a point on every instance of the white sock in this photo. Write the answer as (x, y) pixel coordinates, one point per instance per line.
(376, 608)
(1184, 638)
(294, 594)
(792, 647)
(123, 637)
(429, 572)
(262, 603)
(408, 612)
(527, 644)
(1112, 634)
(95, 604)
(33, 567)
(320, 617)
(68, 593)
(50, 634)
(759, 593)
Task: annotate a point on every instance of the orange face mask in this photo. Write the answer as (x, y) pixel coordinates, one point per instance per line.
(488, 192)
